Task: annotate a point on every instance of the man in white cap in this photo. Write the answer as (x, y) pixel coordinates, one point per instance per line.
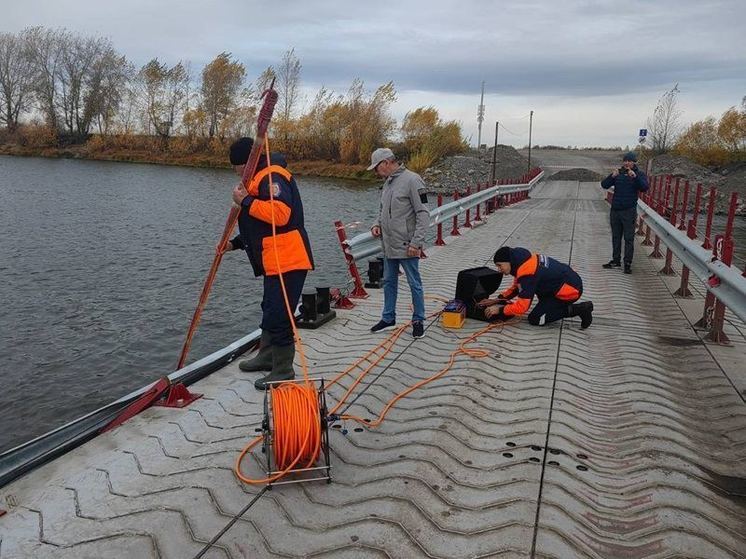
(402, 222)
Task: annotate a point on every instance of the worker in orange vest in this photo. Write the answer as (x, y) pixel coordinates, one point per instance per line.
(557, 286)
(289, 253)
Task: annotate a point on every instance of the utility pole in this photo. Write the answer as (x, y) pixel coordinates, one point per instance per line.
(480, 118)
(494, 156)
(530, 126)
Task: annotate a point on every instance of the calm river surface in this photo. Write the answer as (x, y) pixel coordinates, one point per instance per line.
(101, 265)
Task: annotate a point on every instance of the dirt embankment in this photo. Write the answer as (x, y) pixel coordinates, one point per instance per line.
(582, 175)
(458, 172)
(731, 178)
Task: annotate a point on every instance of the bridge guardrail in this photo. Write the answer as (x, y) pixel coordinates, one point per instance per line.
(669, 215)
(500, 194)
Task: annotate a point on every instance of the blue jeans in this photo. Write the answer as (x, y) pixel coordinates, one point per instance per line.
(391, 287)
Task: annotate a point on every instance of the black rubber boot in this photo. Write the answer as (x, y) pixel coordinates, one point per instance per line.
(584, 311)
(262, 361)
(282, 366)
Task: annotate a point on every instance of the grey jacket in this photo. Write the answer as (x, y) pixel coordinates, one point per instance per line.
(403, 217)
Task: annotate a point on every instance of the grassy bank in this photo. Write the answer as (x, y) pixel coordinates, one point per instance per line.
(202, 160)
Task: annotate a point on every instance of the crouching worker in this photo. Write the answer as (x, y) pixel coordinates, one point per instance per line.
(556, 285)
(293, 255)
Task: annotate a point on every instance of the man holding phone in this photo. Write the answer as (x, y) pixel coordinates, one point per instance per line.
(627, 181)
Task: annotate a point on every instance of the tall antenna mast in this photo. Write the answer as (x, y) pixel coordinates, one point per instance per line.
(480, 118)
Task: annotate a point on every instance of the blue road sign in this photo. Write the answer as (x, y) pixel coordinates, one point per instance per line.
(643, 132)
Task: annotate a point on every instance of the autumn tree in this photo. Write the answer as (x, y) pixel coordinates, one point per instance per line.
(732, 130)
(288, 84)
(221, 81)
(427, 138)
(45, 57)
(164, 91)
(15, 79)
(665, 124)
(107, 89)
(368, 122)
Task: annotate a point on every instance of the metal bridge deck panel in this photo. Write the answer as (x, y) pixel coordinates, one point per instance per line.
(459, 467)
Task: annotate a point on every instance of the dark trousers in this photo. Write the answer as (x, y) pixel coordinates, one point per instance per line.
(274, 315)
(549, 309)
(623, 225)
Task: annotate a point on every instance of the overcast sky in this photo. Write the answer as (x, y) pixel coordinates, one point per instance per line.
(592, 71)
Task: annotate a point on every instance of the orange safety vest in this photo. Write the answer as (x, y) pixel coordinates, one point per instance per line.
(293, 248)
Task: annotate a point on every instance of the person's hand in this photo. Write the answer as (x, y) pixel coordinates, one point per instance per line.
(227, 248)
(239, 193)
(413, 251)
(492, 311)
(631, 174)
(375, 231)
(615, 173)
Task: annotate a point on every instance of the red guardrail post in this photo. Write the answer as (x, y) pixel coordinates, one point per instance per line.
(710, 212)
(478, 216)
(650, 195)
(683, 290)
(716, 333)
(359, 291)
(467, 221)
(439, 240)
(684, 206)
(455, 231)
(658, 207)
(668, 266)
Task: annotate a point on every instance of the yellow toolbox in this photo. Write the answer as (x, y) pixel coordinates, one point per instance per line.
(454, 314)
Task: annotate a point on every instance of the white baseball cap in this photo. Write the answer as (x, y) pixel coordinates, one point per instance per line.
(381, 154)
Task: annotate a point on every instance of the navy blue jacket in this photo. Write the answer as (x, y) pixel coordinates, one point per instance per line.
(536, 274)
(255, 227)
(626, 189)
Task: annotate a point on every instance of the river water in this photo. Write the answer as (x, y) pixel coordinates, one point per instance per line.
(101, 265)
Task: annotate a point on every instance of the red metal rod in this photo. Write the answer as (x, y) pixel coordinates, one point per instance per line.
(262, 124)
(710, 212)
(455, 231)
(684, 206)
(439, 240)
(359, 291)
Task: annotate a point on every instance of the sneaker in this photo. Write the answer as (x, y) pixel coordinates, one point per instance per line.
(627, 269)
(383, 325)
(612, 264)
(418, 330)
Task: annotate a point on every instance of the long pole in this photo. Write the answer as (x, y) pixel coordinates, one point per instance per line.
(530, 127)
(480, 118)
(494, 156)
(265, 115)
